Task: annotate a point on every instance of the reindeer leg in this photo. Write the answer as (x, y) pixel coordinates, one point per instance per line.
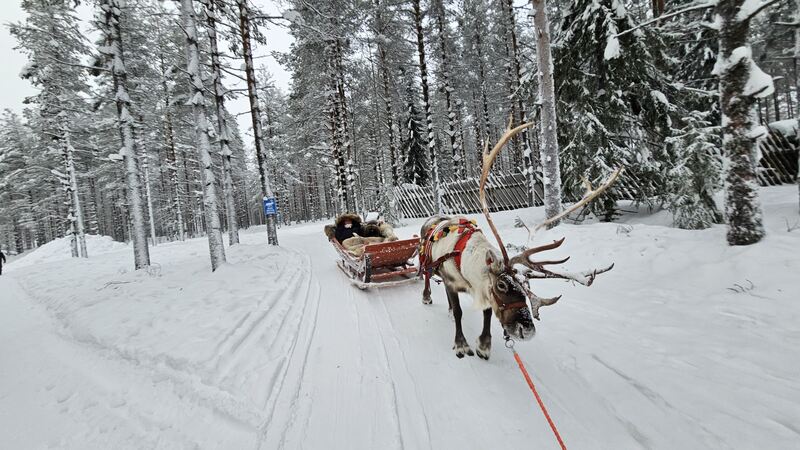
(426, 294)
(485, 339)
(460, 346)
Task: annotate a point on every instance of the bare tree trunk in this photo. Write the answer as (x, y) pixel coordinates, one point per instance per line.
(519, 112)
(222, 125)
(452, 131)
(202, 130)
(79, 229)
(547, 98)
(426, 103)
(735, 68)
(255, 114)
(172, 160)
(487, 123)
(113, 21)
(337, 137)
(148, 196)
(658, 7)
(344, 130)
(383, 67)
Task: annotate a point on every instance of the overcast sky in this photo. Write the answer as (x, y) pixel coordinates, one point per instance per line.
(14, 89)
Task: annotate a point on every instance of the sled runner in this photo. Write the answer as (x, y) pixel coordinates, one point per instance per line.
(383, 264)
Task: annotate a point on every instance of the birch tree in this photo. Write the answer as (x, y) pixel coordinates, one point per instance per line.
(551, 167)
(203, 130)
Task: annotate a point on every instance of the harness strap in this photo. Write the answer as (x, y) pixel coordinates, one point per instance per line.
(465, 228)
(461, 244)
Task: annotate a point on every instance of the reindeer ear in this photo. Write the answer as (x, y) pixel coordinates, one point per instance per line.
(489, 259)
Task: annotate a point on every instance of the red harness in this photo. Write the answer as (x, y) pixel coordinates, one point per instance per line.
(464, 228)
(427, 266)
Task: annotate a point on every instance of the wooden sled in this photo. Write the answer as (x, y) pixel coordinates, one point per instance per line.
(382, 265)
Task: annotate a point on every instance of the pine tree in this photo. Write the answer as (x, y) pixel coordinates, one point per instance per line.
(741, 82)
(696, 172)
(222, 123)
(605, 85)
(413, 146)
(203, 132)
(245, 29)
(112, 17)
(426, 104)
(52, 40)
(446, 87)
(547, 98)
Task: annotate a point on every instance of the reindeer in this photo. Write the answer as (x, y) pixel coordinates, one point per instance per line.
(458, 252)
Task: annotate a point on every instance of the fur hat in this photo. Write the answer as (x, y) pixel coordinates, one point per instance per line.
(355, 218)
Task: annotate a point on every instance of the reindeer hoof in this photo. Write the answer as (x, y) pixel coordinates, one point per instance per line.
(463, 349)
(484, 350)
(427, 300)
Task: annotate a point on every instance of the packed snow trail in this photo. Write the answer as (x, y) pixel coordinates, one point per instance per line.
(687, 343)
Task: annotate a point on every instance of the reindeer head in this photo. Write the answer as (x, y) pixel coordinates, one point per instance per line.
(509, 300)
(510, 287)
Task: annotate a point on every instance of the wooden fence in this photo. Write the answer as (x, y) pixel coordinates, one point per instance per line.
(778, 165)
(503, 192)
(779, 149)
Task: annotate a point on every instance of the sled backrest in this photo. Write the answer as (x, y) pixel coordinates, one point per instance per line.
(392, 253)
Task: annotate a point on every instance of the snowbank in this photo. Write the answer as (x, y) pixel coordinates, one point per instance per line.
(59, 249)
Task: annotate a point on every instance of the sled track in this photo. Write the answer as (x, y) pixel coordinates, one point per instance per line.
(287, 381)
(274, 305)
(384, 321)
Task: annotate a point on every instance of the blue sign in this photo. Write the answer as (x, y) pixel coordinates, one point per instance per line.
(270, 206)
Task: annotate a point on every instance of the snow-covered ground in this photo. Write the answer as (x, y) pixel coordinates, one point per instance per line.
(688, 343)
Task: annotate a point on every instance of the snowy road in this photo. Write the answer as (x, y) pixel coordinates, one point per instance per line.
(278, 351)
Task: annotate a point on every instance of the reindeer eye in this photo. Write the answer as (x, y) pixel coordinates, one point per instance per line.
(502, 286)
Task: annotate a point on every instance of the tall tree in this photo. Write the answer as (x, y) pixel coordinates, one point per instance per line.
(112, 13)
(222, 123)
(426, 104)
(245, 30)
(51, 38)
(202, 131)
(381, 43)
(547, 98)
(415, 167)
(741, 83)
(446, 87)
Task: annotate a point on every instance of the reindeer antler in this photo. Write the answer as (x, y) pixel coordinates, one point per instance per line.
(488, 161)
(590, 195)
(537, 269)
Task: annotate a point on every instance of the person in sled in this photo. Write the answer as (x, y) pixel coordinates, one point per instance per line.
(347, 226)
(354, 235)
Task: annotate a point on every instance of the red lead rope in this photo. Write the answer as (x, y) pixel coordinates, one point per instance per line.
(538, 399)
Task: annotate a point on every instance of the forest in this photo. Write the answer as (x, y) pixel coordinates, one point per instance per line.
(390, 106)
